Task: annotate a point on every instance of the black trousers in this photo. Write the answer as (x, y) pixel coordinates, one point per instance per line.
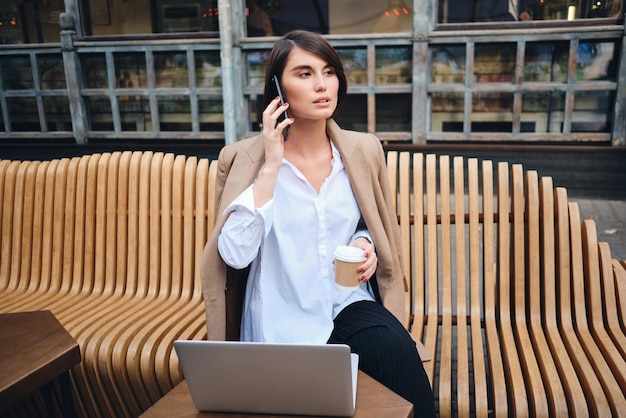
(386, 352)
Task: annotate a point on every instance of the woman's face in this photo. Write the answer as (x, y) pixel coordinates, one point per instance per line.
(309, 85)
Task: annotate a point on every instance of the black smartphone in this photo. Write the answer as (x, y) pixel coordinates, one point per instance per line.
(282, 102)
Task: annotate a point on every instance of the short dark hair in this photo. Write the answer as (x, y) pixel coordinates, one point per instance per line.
(311, 42)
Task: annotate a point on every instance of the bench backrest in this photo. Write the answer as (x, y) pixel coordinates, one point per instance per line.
(504, 276)
(123, 222)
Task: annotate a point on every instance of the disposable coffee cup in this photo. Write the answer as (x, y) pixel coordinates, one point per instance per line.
(347, 262)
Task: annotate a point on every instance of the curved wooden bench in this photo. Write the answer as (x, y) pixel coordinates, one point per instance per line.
(109, 243)
(523, 311)
(511, 294)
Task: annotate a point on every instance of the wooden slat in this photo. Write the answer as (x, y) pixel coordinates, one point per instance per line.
(418, 271)
(619, 273)
(404, 211)
(608, 302)
(430, 337)
(518, 397)
(597, 402)
(595, 301)
(8, 191)
(28, 236)
(459, 283)
(548, 312)
(392, 172)
(540, 253)
(491, 293)
(579, 288)
(445, 291)
(535, 386)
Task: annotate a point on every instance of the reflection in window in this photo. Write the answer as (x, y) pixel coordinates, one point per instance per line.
(597, 61)
(447, 112)
(171, 69)
(94, 71)
(122, 17)
(494, 64)
(353, 114)
(16, 72)
(354, 62)
(23, 114)
(51, 71)
(257, 61)
(57, 112)
(211, 114)
(545, 109)
(448, 64)
(393, 112)
(492, 112)
(130, 70)
(174, 113)
(393, 65)
(546, 61)
(592, 111)
(464, 11)
(208, 69)
(30, 21)
(277, 17)
(99, 110)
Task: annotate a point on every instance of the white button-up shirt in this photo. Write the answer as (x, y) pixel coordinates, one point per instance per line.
(289, 245)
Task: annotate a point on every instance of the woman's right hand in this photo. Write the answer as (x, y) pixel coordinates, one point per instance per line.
(273, 142)
(273, 132)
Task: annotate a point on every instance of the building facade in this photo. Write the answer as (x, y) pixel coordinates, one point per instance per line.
(420, 71)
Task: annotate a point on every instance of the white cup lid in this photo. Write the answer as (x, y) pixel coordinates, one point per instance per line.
(349, 254)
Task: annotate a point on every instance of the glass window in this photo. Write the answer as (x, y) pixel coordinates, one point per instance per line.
(57, 112)
(171, 69)
(353, 114)
(546, 61)
(52, 72)
(593, 111)
(94, 71)
(393, 112)
(208, 69)
(23, 114)
(492, 112)
(354, 62)
(447, 112)
(393, 65)
(494, 63)
(30, 21)
(448, 64)
(211, 112)
(277, 17)
(122, 17)
(17, 72)
(99, 110)
(597, 61)
(130, 70)
(174, 113)
(544, 110)
(464, 11)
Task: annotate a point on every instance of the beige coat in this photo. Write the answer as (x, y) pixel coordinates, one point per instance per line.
(364, 161)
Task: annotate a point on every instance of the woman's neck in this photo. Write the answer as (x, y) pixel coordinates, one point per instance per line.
(307, 138)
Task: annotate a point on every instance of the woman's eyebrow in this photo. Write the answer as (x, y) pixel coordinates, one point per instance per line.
(306, 67)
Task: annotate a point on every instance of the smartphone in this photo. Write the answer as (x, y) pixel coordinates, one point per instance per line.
(282, 102)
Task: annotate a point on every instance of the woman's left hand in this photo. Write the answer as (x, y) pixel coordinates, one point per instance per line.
(368, 268)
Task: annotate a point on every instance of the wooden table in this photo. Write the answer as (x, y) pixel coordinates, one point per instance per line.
(34, 350)
(372, 400)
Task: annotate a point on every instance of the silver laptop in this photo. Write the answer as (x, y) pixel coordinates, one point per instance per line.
(263, 378)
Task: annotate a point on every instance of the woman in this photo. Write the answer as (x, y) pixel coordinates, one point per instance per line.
(285, 204)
